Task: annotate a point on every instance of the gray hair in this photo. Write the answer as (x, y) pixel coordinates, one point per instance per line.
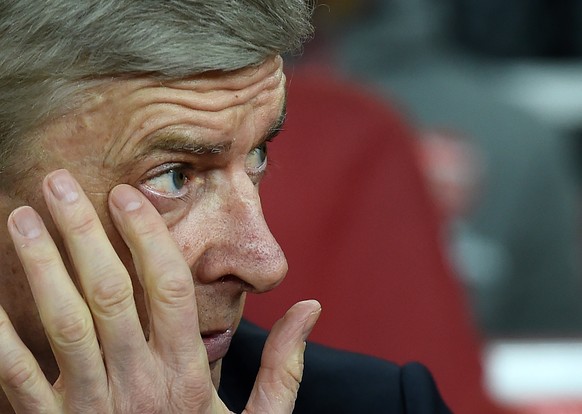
(52, 50)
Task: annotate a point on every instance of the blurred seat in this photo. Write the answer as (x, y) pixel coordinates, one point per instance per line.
(345, 199)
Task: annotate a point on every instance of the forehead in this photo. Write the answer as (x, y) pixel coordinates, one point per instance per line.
(212, 109)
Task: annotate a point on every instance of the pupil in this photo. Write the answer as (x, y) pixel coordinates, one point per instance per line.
(179, 179)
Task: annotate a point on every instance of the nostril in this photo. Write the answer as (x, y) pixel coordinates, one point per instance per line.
(229, 278)
(235, 280)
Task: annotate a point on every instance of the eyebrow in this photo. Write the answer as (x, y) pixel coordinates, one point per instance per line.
(171, 142)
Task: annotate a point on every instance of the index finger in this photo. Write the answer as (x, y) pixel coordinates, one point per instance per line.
(166, 277)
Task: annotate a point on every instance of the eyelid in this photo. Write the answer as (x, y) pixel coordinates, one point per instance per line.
(161, 169)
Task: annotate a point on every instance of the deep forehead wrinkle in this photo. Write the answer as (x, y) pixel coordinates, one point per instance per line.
(206, 92)
(244, 84)
(178, 142)
(207, 95)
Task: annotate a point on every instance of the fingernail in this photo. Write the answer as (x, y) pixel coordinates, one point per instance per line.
(63, 186)
(126, 198)
(27, 222)
(310, 323)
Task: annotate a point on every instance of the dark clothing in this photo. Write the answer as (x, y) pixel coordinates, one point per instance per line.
(333, 381)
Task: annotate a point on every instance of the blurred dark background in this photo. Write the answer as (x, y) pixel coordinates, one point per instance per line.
(493, 90)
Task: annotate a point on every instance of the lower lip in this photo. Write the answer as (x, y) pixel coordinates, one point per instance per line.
(217, 344)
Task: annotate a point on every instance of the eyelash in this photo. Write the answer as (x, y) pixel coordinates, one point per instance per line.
(257, 173)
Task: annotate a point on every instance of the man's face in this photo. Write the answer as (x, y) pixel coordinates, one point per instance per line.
(196, 149)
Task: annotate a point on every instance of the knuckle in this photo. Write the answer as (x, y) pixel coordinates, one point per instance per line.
(291, 379)
(72, 329)
(111, 296)
(83, 223)
(20, 373)
(40, 258)
(43, 262)
(149, 229)
(171, 290)
(294, 377)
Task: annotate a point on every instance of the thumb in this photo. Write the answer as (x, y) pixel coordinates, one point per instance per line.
(281, 369)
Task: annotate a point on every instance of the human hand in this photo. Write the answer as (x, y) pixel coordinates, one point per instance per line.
(107, 365)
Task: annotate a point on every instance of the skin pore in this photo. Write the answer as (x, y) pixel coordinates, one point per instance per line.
(196, 149)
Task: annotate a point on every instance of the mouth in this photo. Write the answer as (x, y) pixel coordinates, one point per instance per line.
(217, 343)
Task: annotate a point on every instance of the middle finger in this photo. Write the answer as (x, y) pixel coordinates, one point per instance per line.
(104, 280)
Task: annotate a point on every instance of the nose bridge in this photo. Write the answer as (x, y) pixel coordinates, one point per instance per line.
(241, 195)
(246, 247)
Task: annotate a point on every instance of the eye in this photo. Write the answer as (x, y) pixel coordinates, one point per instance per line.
(170, 182)
(256, 162)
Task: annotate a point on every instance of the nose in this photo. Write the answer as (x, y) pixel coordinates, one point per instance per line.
(237, 240)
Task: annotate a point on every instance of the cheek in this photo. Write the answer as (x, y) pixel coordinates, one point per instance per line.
(174, 209)
(189, 236)
(15, 295)
(191, 221)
